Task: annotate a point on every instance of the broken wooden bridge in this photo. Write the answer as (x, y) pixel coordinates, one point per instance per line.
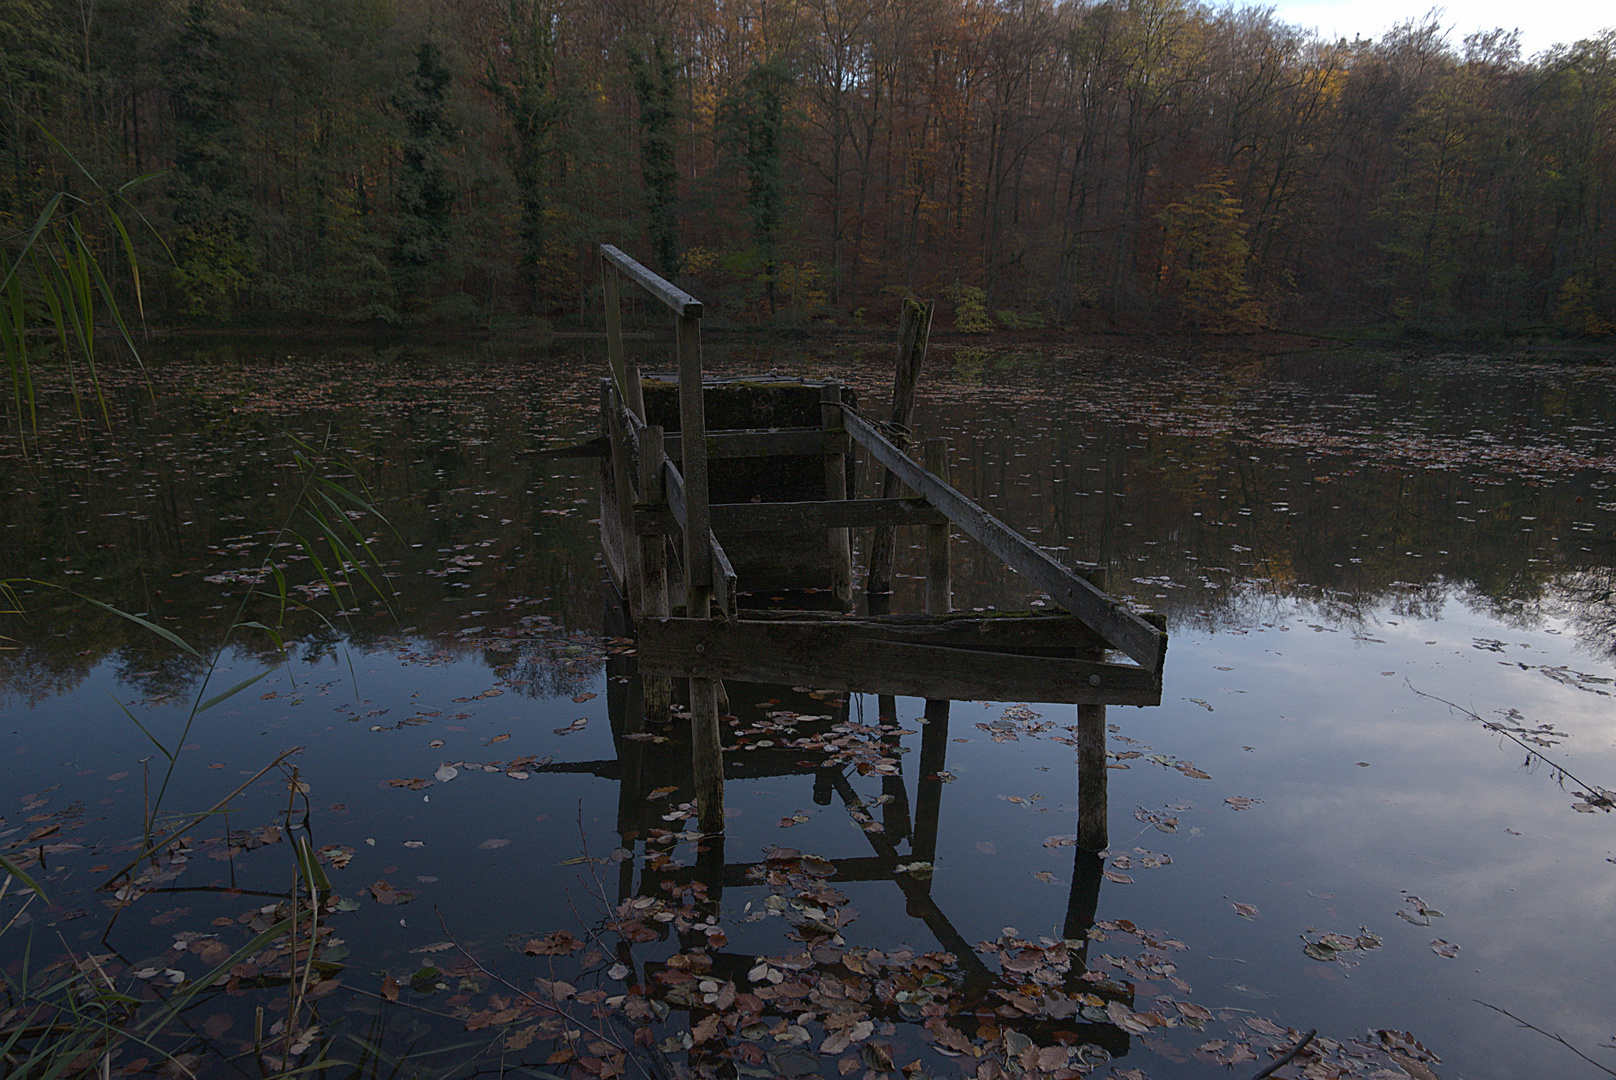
(715, 486)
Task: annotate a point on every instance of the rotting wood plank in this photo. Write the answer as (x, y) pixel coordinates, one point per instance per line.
(724, 573)
(676, 299)
(1120, 627)
(829, 656)
(765, 442)
(1007, 631)
(792, 516)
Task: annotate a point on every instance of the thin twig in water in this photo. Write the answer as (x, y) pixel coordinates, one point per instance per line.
(1557, 1038)
(160, 844)
(1596, 795)
(1287, 1057)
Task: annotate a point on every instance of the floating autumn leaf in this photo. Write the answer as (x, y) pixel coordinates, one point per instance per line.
(1059, 841)
(412, 783)
(1246, 911)
(662, 792)
(389, 988)
(383, 893)
(496, 739)
(581, 698)
(576, 725)
(445, 773)
(1445, 949)
(1121, 879)
(557, 943)
(491, 844)
(1241, 802)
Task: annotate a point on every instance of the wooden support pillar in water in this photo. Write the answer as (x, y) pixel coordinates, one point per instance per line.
(914, 329)
(841, 543)
(939, 574)
(707, 753)
(1093, 833)
(654, 572)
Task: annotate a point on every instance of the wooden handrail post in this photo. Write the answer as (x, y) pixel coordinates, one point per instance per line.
(707, 751)
(841, 543)
(654, 555)
(914, 330)
(693, 465)
(612, 295)
(939, 572)
(622, 466)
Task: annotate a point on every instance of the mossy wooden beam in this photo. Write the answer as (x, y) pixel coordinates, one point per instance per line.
(835, 656)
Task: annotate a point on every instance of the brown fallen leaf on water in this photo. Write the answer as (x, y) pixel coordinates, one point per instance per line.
(1445, 948)
(1241, 802)
(1247, 911)
(383, 893)
(490, 845)
(389, 988)
(1120, 879)
(496, 739)
(662, 792)
(414, 783)
(556, 943)
(581, 698)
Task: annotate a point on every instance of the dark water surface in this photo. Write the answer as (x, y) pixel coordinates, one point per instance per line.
(1337, 543)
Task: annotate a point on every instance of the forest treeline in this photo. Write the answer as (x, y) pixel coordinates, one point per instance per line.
(1125, 163)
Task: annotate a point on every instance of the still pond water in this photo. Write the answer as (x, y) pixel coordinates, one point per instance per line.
(1304, 835)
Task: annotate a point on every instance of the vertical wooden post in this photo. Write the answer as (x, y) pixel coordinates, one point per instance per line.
(610, 291)
(654, 555)
(939, 574)
(929, 788)
(841, 543)
(693, 464)
(914, 330)
(707, 754)
(706, 742)
(623, 471)
(1093, 831)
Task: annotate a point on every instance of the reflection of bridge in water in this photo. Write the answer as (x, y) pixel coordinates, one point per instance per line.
(652, 773)
(718, 492)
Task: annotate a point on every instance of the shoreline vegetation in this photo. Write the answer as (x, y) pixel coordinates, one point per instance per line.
(1537, 342)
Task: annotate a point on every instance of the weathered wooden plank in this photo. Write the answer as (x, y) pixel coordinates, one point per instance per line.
(824, 655)
(693, 423)
(796, 516)
(914, 330)
(676, 299)
(1121, 627)
(939, 567)
(765, 442)
(673, 487)
(840, 539)
(654, 584)
(1007, 631)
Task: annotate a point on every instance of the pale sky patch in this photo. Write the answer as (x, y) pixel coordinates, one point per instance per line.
(1542, 24)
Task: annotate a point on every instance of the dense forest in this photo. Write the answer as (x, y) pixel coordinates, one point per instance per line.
(1125, 163)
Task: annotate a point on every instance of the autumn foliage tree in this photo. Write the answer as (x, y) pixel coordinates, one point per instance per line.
(1100, 163)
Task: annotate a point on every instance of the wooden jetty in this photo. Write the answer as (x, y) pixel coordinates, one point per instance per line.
(780, 468)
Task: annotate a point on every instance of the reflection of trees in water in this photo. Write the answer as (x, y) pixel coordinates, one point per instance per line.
(1586, 599)
(544, 669)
